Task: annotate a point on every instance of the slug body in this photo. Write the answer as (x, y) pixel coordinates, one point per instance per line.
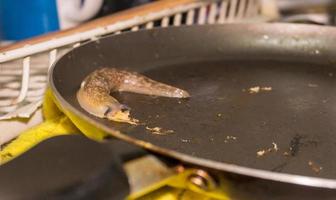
(94, 93)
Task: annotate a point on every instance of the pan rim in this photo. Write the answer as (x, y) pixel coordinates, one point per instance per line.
(221, 166)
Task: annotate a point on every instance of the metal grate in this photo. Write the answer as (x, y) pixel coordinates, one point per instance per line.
(23, 71)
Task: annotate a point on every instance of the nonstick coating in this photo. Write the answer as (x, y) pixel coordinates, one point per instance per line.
(222, 123)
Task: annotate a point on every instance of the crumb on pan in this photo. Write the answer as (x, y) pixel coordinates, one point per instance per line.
(257, 89)
(185, 140)
(229, 137)
(266, 88)
(316, 168)
(159, 131)
(253, 90)
(275, 146)
(263, 152)
(286, 153)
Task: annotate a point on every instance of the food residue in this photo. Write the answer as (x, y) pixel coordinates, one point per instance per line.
(257, 89)
(268, 150)
(286, 153)
(314, 167)
(185, 140)
(261, 153)
(159, 131)
(229, 137)
(254, 89)
(275, 146)
(266, 88)
(125, 117)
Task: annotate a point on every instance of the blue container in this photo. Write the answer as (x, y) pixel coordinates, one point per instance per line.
(21, 19)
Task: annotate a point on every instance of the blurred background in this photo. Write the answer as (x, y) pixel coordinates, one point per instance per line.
(25, 19)
(308, 11)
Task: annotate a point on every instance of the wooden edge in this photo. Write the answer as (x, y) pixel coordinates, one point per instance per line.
(104, 21)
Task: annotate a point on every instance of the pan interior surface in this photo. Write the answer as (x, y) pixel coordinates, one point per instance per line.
(256, 104)
(290, 124)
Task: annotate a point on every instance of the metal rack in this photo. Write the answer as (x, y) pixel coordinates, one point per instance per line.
(23, 69)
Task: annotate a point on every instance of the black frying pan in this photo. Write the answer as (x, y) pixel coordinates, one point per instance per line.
(217, 65)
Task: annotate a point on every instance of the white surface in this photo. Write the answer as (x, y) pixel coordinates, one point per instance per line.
(22, 112)
(10, 129)
(73, 12)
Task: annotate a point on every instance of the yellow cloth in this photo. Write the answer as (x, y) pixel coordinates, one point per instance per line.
(57, 123)
(179, 187)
